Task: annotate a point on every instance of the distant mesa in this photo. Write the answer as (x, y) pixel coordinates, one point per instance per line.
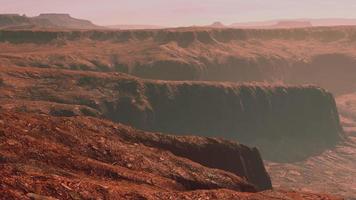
(296, 23)
(66, 21)
(334, 22)
(217, 25)
(135, 26)
(47, 20)
(293, 24)
(257, 24)
(275, 24)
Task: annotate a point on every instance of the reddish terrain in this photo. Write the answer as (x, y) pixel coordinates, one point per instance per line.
(323, 56)
(68, 93)
(46, 157)
(276, 119)
(78, 157)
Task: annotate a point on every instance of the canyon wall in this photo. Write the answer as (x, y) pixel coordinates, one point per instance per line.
(323, 56)
(279, 120)
(187, 36)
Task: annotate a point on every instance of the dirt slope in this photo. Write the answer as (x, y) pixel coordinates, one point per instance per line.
(44, 157)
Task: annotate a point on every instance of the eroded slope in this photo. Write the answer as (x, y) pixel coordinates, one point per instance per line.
(44, 157)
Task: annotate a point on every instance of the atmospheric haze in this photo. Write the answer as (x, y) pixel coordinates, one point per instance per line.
(183, 12)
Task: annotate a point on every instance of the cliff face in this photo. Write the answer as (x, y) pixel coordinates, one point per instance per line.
(276, 119)
(328, 172)
(215, 153)
(203, 35)
(322, 56)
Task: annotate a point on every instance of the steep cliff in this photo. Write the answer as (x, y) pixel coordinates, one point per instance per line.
(215, 153)
(203, 35)
(276, 119)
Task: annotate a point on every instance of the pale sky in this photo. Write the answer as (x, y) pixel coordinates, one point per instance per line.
(183, 12)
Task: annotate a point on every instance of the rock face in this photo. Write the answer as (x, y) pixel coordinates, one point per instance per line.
(256, 115)
(327, 172)
(276, 119)
(84, 158)
(214, 153)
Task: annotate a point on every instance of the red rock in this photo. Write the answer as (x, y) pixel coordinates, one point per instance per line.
(56, 159)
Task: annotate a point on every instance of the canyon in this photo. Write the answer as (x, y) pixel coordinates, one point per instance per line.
(273, 89)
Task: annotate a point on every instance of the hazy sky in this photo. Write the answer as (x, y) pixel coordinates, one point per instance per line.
(183, 12)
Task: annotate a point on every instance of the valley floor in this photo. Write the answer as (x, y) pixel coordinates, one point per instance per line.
(334, 171)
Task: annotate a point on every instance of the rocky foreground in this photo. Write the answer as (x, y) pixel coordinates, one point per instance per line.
(43, 157)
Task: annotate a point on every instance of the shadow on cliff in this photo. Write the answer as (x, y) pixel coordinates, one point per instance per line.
(287, 123)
